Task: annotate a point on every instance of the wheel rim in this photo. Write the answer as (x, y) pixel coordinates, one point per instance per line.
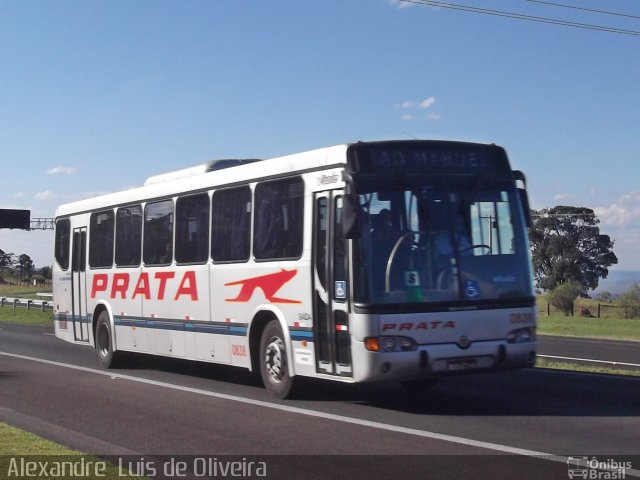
(274, 359)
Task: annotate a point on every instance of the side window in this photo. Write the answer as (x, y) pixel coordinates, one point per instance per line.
(101, 227)
(192, 229)
(62, 248)
(128, 236)
(231, 225)
(158, 233)
(279, 209)
(491, 225)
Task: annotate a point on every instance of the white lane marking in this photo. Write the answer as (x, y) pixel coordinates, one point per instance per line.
(592, 360)
(312, 413)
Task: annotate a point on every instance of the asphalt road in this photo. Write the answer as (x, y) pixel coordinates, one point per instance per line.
(520, 424)
(609, 353)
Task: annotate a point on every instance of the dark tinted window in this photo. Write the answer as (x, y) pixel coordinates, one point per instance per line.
(279, 208)
(128, 236)
(231, 225)
(158, 233)
(192, 229)
(101, 239)
(62, 248)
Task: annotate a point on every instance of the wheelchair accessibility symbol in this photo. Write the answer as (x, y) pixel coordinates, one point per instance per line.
(471, 289)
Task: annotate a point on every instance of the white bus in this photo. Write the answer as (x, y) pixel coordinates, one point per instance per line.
(393, 260)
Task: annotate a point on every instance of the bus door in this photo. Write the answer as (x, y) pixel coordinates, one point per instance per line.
(330, 288)
(79, 285)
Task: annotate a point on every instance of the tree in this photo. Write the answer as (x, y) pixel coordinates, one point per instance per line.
(46, 273)
(605, 297)
(25, 265)
(6, 261)
(567, 246)
(630, 300)
(563, 297)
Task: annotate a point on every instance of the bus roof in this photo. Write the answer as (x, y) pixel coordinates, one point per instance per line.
(205, 176)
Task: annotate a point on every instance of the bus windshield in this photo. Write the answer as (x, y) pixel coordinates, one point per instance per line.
(442, 239)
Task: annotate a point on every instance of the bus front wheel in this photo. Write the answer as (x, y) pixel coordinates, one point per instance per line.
(104, 341)
(274, 367)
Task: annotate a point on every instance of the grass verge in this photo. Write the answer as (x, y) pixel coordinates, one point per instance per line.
(601, 328)
(25, 317)
(23, 291)
(575, 367)
(16, 444)
(33, 316)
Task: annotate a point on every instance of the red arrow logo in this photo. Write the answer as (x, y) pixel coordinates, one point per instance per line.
(270, 284)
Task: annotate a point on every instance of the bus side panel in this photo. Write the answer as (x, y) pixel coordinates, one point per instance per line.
(239, 290)
(62, 304)
(115, 287)
(178, 300)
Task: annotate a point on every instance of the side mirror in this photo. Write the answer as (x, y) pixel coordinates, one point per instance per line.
(350, 224)
(524, 199)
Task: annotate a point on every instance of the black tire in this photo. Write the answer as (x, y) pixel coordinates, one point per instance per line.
(107, 357)
(274, 367)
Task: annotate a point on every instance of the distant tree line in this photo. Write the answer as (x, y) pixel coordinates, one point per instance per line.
(20, 269)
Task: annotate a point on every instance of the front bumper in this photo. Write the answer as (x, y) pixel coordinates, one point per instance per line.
(432, 361)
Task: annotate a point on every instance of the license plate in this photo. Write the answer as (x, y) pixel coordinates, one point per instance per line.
(456, 365)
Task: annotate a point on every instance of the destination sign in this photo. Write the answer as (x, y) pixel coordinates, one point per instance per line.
(427, 157)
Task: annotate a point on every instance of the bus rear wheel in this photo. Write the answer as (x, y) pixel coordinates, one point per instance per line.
(274, 367)
(107, 356)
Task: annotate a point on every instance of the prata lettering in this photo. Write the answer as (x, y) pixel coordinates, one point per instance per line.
(434, 325)
(146, 286)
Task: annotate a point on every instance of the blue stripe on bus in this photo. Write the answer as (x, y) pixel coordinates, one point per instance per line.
(220, 328)
(299, 335)
(67, 317)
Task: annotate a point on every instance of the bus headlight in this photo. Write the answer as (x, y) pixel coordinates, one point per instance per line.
(390, 344)
(522, 335)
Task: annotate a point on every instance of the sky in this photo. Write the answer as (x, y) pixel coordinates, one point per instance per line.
(95, 96)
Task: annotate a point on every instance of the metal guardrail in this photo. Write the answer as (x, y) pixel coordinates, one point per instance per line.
(27, 303)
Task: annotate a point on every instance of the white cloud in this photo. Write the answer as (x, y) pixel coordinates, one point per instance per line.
(401, 4)
(62, 170)
(427, 102)
(624, 212)
(405, 105)
(420, 105)
(621, 221)
(46, 195)
(18, 195)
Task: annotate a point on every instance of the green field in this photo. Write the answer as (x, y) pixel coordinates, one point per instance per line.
(16, 443)
(602, 328)
(33, 316)
(22, 291)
